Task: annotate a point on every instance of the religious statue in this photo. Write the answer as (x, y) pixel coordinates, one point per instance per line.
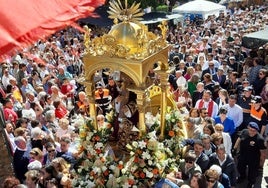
(164, 28)
(87, 36)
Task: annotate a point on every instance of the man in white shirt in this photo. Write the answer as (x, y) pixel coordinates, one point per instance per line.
(6, 77)
(234, 111)
(210, 58)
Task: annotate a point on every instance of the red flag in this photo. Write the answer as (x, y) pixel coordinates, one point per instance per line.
(24, 22)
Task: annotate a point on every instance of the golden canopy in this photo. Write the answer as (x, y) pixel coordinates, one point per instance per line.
(126, 34)
(131, 49)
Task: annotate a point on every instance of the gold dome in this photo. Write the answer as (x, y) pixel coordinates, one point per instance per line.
(126, 35)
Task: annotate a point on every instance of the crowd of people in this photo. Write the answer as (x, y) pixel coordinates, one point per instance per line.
(220, 87)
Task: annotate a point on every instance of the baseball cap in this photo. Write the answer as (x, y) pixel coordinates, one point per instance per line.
(248, 88)
(98, 85)
(257, 99)
(177, 46)
(254, 125)
(245, 81)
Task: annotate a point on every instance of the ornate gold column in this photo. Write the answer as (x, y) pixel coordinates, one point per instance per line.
(164, 88)
(92, 105)
(141, 98)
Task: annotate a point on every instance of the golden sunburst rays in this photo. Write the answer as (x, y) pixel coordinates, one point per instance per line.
(124, 13)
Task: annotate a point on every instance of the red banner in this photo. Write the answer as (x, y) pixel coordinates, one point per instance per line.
(22, 22)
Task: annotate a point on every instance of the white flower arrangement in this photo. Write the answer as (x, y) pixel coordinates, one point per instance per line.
(149, 157)
(148, 160)
(96, 165)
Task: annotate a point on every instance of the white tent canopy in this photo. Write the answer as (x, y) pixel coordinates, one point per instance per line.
(203, 7)
(255, 39)
(174, 17)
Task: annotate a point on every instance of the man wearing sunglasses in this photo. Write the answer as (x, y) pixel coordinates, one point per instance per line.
(51, 153)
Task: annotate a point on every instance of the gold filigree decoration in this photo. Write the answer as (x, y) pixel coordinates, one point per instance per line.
(164, 28)
(123, 13)
(121, 50)
(109, 40)
(119, 43)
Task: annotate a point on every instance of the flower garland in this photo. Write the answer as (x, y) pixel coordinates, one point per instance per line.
(148, 160)
(173, 133)
(95, 166)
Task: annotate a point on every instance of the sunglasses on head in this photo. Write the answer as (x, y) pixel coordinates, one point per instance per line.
(34, 152)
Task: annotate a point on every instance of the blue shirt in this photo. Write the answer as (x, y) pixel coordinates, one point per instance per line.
(228, 124)
(165, 181)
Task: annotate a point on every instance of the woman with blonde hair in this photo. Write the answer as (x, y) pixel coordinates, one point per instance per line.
(61, 165)
(62, 168)
(36, 158)
(32, 178)
(226, 138)
(56, 94)
(189, 73)
(65, 130)
(212, 178)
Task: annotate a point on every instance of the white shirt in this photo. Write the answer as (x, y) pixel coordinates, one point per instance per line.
(227, 142)
(220, 161)
(181, 82)
(216, 64)
(5, 80)
(236, 113)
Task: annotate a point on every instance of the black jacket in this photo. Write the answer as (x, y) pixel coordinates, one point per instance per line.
(20, 162)
(228, 167)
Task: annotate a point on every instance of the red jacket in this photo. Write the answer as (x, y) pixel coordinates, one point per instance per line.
(60, 112)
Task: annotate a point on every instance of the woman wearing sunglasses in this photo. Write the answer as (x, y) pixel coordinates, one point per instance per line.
(212, 178)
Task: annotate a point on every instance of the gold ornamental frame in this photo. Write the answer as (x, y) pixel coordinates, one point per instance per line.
(131, 49)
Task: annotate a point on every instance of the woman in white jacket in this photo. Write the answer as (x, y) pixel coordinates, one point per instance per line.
(227, 142)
